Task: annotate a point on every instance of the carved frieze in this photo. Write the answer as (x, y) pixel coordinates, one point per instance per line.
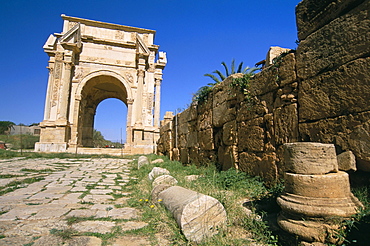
(71, 24)
(59, 56)
(78, 73)
(145, 38)
(119, 35)
(150, 97)
(129, 77)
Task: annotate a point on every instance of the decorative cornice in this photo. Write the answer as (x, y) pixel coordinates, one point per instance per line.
(107, 25)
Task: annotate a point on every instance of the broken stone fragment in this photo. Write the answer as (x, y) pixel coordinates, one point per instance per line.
(164, 179)
(156, 161)
(157, 171)
(143, 160)
(347, 161)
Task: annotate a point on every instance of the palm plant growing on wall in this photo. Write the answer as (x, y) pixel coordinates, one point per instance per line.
(221, 77)
(202, 94)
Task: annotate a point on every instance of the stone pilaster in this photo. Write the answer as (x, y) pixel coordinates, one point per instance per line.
(65, 88)
(139, 97)
(129, 122)
(157, 103)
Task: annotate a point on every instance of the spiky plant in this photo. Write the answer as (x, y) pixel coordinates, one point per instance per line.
(222, 77)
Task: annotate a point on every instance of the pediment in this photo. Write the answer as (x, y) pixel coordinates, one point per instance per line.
(72, 38)
(141, 47)
(50, 43)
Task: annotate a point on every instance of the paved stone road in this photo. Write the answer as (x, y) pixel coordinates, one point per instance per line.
(35, 213)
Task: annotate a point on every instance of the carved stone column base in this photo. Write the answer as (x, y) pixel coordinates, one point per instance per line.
(310, 231)
(318, 207)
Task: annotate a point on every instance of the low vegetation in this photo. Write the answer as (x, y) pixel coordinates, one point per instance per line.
(234, 189)
(251, 206)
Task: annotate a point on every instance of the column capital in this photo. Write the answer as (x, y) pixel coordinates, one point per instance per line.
(140, 72)
(158, 82)
(130, 100)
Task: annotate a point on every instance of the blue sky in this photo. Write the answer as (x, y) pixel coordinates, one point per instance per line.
(196, 34)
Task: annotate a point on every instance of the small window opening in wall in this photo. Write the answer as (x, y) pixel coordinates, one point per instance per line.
(142, 135)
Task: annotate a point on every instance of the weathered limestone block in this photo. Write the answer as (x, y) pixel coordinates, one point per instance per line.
(181, 141)
(274, 52)
(350, 132)
(156, 161)
(286, 95)
(346, 161)
(264, 82)
(184, 155)
(227, 156)
(224, 112)
(251, 135)
(182, 128)
(164, 179)
(194, 155)
(229, 133)
(339, 92)
(310, 158)
(264, 166)
(199, 216)
(286, 124)
(342, 40)
(157, 171)
(207, 156)
(143, 160)
(286, 70)
(175, 154)
(166, 127)
(205, 120)
(311, 15)
(251, 109)
(192, 139)
(206, 139)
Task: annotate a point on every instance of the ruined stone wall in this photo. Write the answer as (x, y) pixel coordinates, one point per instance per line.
(319, 93)
(333, 65)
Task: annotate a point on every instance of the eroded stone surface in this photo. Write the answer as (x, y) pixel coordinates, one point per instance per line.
(36, 213)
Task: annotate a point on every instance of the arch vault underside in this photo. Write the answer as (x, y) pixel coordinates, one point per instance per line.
(91, 61)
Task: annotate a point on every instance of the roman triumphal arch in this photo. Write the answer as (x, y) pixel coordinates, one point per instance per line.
(91, 61)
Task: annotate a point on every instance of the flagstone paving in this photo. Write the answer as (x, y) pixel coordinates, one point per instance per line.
(35, 213)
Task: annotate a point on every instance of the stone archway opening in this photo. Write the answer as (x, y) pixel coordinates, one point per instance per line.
(96, 90)
(111, 120)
